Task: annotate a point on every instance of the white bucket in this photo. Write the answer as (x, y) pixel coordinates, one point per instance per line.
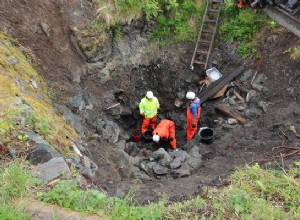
(213, 74)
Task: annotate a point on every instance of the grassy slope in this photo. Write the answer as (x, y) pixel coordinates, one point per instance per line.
(17, 83)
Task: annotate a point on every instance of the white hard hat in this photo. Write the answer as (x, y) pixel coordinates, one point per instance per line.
(156, 138)
(190, 95)
(149, 95)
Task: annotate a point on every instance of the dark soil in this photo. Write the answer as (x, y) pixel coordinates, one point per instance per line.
(167, 73)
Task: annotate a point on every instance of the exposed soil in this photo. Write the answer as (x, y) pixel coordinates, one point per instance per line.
(166, 72)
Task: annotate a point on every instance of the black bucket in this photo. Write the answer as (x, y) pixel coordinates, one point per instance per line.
(206, 135)
(147, 136)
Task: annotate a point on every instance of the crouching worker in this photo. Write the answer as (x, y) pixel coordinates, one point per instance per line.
(165, 131)
(193, 113)
(148, 109)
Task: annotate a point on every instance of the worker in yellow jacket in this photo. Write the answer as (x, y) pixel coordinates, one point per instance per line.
(148, 109)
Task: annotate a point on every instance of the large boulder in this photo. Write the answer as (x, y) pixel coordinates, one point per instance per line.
(108, 130)
(148, 167)
(182, 172)
(54, 168)
(195, 160)
(42, 153)
(122, 162)
(159, 170)
(162, 156)
(180, 157)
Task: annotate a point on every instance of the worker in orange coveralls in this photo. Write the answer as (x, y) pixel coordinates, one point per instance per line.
(165, 131)
(193, 113)
(148, 109)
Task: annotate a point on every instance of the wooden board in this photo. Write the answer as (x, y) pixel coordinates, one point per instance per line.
(218, 85)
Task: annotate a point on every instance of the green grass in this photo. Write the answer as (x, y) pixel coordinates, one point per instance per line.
(242, 25)
(260, 194)
(254, 193)
(12, 212)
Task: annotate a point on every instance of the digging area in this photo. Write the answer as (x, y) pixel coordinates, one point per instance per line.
(99, 92)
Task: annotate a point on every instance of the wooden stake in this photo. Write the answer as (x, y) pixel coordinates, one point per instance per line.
(231, 114)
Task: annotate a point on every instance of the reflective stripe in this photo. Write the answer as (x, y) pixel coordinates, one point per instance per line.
(149, 108)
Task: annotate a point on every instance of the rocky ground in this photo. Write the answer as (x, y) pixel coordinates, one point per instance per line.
(98, 91)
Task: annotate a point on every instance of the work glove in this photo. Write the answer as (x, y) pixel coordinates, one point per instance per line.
(170, 138)
(194, 125)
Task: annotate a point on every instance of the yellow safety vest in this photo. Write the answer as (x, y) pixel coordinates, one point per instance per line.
(149, 108)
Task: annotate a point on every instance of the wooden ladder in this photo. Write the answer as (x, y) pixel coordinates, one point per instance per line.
(207, 33)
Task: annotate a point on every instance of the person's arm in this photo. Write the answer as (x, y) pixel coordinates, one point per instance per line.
(141, 107)
(157, 103)
(193, 109)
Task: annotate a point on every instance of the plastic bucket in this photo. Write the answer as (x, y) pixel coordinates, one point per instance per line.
(148, 136)
(206, 135)
(136, 135)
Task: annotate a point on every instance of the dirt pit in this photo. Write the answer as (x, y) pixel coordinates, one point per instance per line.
(270, 105)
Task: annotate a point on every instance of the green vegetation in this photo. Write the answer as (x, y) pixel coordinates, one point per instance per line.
(68, 194)
(253, 193)
(177, 20)
(242, 25)
(21, 106)
(15, 183)
(294, 53)
(260, 194)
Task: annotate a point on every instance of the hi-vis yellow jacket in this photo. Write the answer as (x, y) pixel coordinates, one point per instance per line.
(149, 108)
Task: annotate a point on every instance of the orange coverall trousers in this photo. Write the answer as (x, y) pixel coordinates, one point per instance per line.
(190, 131)
(148, 122)
(166, 129)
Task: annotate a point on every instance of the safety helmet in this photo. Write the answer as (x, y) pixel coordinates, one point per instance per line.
(156, 138)
(190, 95)
(149, 95)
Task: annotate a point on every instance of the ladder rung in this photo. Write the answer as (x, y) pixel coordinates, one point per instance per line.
(213, 21)
(213, 10)
(205, 41)
(207, 31)
(199, 62)
(216, 1)
(202, 51)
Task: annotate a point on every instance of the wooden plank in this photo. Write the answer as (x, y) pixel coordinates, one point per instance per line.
(216, 86)
(231, 113)
(238, 96)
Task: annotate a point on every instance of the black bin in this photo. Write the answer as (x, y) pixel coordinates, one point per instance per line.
(147, 136)
(206, 135)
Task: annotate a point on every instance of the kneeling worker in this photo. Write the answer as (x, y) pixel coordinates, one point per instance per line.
(165, 130)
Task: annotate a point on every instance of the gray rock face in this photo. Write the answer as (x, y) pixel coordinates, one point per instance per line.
(89, 167)
(78, 102)
(121, 159)
(104, 75)
(182, 172)
(164, 158)
(41, 154)
(141, 175)
(94, 68)
(252, 113)
(54, 168)
(74, 119)
(246, 75)
(132, 149)
(160, 170)
(108, 130)
(120, 145)
(147, 167)
(195, 160)
(180, 157)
